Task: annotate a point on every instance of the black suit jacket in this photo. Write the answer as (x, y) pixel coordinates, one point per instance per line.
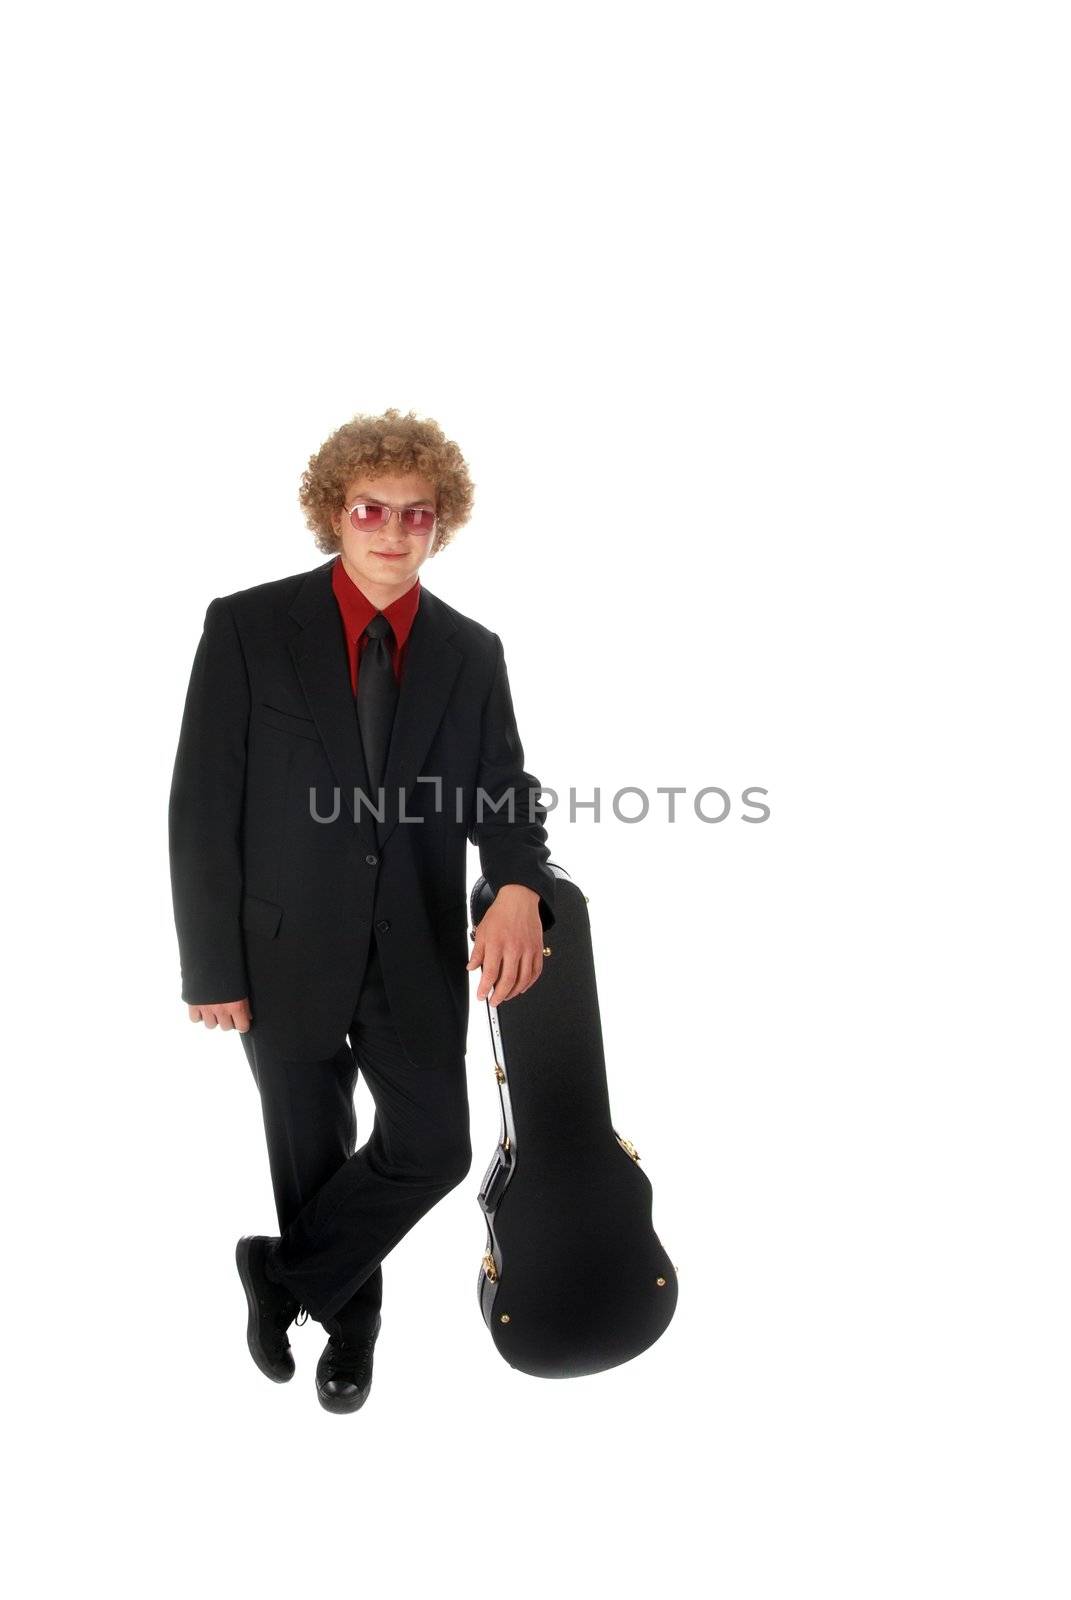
(271, 903)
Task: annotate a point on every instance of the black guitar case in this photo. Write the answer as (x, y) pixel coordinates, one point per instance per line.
(575, 1279)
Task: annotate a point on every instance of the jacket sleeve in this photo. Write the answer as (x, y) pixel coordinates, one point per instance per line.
(512, 840)
(205, 816)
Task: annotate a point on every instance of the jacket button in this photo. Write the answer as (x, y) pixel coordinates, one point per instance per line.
(383, 925)
(371, 860)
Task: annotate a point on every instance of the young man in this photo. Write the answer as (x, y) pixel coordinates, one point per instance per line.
(346, 734)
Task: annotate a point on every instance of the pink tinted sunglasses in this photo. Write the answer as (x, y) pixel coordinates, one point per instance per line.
(368, 515)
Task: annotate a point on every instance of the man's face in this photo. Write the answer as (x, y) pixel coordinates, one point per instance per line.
(385, 559)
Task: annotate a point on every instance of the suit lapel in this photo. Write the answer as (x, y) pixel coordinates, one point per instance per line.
(320, 660)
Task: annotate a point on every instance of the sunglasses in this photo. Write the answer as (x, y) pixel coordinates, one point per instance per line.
(368, 515)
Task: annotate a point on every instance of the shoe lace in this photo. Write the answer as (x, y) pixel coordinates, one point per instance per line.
(351, 1352)
(279, 1320)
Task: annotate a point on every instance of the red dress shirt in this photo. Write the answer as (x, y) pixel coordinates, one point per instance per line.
(357, 611)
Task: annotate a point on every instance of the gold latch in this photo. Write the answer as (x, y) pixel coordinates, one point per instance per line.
(628, 1147)
(489, 1267)
(499, 1074)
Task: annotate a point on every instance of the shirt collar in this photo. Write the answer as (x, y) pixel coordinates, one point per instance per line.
(358, 611)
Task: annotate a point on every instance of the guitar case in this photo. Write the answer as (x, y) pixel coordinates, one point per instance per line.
(574, 1279)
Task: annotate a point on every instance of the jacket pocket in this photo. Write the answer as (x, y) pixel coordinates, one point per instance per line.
(287, 722)
(261, 916)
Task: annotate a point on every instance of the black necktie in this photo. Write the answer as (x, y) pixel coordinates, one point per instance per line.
(377, 697)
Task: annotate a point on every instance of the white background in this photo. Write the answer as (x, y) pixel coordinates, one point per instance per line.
(752, 323)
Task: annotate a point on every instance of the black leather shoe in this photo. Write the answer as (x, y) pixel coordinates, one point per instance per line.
(344, 1371)
(272, 1308)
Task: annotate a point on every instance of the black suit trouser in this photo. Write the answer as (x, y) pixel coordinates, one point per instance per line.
(340, 1209)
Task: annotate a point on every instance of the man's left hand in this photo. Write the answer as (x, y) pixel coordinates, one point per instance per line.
(509, 944)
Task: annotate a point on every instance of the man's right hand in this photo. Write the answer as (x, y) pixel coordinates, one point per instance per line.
(227, 1014)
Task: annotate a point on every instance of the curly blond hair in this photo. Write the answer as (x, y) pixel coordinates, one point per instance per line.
(369, 446)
